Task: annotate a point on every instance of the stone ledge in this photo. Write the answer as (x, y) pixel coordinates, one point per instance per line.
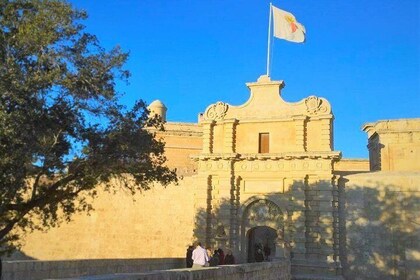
(279, 270)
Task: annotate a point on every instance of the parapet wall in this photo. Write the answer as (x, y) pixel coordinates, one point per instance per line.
(35, 270)
(132, 269)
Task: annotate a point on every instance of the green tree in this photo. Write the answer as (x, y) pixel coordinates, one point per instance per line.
(62, 130)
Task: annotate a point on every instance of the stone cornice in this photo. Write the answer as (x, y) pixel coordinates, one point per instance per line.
(333, 155)
(215, 156)
(180, 133)
(392, 126)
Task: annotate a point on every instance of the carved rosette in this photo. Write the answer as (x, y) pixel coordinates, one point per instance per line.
(317, 106)
(216, 111)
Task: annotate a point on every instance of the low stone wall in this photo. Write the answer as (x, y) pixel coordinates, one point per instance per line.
(36, 270)
(277, 270)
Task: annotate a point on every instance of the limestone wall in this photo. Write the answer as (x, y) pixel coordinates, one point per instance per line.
(282, 136)
(394, 145)
(380, 225)
(157, 223)
(182, 140)
(347, 166)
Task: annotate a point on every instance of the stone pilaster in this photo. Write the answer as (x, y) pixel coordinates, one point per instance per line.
(208, 136)
(203, 208)
(229, 135)
(336, 221)
(300, 130)
(223, 208)
(326, 218)
(234, 238)
(326, 134)
(296, 219)
(312, 234)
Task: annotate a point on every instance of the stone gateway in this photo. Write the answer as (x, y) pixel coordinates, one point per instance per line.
(265, 175)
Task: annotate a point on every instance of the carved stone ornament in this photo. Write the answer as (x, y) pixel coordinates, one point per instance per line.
(316, 105)
(216, 111)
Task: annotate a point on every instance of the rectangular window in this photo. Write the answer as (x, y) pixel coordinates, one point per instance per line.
(264, 143)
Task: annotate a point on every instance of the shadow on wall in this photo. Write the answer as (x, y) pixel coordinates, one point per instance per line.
(271, 222)
(17, 255)
(381, 233)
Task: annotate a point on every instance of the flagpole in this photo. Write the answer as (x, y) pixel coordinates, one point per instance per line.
(269, 38)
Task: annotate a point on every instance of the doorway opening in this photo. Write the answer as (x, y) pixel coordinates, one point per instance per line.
(261, 243)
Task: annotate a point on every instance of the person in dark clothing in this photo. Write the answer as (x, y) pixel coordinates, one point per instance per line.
(259, 256)
(267, 252)
(229, 258)
(214, 260)
(188, 258)
(221, 256)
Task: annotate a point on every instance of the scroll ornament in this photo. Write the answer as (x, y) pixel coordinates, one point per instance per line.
(216, 111)
(316, 105)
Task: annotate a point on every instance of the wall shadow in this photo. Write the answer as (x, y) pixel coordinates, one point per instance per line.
(295, 214)
(220, 224)
(380, 232)
(362, 232)
(17, 255)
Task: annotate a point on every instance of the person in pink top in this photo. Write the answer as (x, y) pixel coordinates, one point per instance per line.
(199, 256)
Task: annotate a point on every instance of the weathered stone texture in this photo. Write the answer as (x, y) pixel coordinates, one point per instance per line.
(394, 145)
(381, 226)
(240, 191)
(135, 269)
(158, 223)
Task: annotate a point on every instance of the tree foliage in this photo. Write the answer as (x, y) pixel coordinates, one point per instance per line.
(62, 130)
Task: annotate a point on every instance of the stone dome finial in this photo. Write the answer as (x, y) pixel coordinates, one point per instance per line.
(264, 79)
(158, 108)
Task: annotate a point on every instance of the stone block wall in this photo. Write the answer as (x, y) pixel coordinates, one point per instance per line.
(380, 225)
(155, 224)
(252, 271)
(394, 145)
(279, 270)
(34, 270)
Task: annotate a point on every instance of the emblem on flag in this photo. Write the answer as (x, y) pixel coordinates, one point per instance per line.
(286, 26)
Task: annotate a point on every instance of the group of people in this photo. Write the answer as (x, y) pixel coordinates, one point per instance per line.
(198, 257)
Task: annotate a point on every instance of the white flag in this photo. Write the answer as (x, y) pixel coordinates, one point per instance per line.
(286, 27)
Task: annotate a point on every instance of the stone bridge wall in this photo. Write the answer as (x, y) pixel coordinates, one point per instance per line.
(35, 270)
(134, 269)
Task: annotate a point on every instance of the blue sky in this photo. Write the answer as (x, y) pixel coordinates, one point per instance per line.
(362, 56)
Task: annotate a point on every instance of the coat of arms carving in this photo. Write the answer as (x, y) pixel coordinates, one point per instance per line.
(316, 105)
(216, 111)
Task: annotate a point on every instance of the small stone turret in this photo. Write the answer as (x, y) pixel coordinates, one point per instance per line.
(157, 108)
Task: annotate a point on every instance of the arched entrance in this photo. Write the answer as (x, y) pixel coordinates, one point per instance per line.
(261, 243)
(262, 226)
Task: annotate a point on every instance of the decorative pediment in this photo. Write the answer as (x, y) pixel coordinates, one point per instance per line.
(266, 102)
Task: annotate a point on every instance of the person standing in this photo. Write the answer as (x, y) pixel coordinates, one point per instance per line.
(199, 256)
(229, 258)
(188, 257)
(259, 255)
(214, 260)
(267, 252)
(221, 256)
